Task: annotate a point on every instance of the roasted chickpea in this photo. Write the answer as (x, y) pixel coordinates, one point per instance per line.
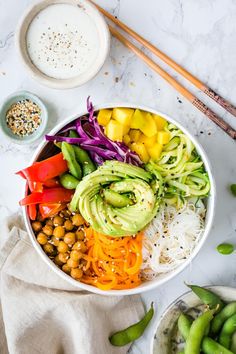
(63, 257)
(68, 225)
(79, 235)
(80, 246)
(48, 248)
(58, 220)
(78, 220)
(42, 238)
(48, 230)
(57, 261)
(71, 263)
(59, 232)
(62, 247)
(49, 222)
(76, 273)
(37, 226)
(69, 238)
(55, 241)
(66, 268)
(76, 255)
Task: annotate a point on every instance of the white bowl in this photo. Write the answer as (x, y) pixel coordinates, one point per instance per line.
(148, 285)
(103, 35)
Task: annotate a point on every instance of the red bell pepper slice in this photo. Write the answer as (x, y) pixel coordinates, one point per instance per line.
(32, 211)
(51, 183)
(50, 210)
(35, 186)
(46, 169)
(51, 195)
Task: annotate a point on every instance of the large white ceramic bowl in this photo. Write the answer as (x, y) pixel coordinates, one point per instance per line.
(163, 278)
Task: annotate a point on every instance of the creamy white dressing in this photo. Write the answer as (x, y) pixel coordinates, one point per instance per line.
(62, 41)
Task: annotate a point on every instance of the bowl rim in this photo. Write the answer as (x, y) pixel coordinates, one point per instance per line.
(20, 43)
(149, 285)
(40, 131)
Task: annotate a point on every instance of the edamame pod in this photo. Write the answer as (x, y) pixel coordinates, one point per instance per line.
(133, 332)
(83, 158)
(208, 297)
(233, 343)
(69, 156)
(209, 346)
(227, 331)
(228, 311)
(197, 332)
(68, 181)
(115, 199)
(184, 325)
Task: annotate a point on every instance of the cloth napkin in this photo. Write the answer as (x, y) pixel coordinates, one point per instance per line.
(40, 313)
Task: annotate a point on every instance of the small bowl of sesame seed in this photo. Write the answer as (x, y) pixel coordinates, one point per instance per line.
(23, 117)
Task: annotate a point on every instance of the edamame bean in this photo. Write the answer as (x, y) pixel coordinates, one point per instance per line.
(225, 248)
(133, 332)
(228, 311)
(68, 181)
(209, 346)
(184, 325)
(208, 297)
(227, 331)
(233, 189)
(197, 332)
(69, 156)
(83, 158)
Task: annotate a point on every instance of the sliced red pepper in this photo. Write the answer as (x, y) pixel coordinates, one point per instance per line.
(51, 195)
(46, 169)
(51, 183)
(50, 210)
(35, 186)
(32, 211)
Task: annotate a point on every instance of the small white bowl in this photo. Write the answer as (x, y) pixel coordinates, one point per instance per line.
(163, 278)
(85, 76)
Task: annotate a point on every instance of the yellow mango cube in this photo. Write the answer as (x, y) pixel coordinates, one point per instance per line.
(123, 115)
(163, 137)
(140, 149)
(147, 141)
(160, 121)
(114, 130)
(138, 120)
(149, 128)
(126, 139)
(126, 129)
(134, 135)
(155, 151)
(104, 116)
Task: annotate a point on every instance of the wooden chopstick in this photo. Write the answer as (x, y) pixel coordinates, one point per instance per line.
(187, 94)
(193, 79)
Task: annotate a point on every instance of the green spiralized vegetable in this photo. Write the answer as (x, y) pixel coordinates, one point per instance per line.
(180, 172)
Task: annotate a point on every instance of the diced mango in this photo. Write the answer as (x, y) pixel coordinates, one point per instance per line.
(138, 119)
(114, 130)
(126, 129)
(147, 141)
(149, 128)
(140, 149)
(104, 115)
(163, 137)
(155, 151)
(126, 139)
(160, 122)
(134, 135)
(123, 115)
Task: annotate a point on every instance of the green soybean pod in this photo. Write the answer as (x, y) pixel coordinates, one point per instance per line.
(68, 181)
(218, 321)
(209, 346)
(133, 332)
(83, 158)
(69, 156)
(207, 297)
(184, 324)
(197, 332)
(227, 331)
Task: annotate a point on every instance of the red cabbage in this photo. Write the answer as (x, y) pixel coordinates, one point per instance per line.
(92, 139)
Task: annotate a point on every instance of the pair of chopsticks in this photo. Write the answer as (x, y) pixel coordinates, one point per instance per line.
(187, 75)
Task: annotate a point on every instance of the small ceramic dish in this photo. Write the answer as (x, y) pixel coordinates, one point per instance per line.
(94, 28)
(165, 338)
(14, 98)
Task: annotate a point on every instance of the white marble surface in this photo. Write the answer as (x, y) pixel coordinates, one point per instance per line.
(198, 34)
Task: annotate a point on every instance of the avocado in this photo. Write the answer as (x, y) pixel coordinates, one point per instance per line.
(101, 198)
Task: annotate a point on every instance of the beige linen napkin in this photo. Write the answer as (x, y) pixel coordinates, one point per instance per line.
(40, 313)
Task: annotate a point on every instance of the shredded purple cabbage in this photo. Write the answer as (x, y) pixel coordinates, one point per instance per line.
(92, 139)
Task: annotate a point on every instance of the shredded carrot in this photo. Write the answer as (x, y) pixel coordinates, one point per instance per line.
(112, 263)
